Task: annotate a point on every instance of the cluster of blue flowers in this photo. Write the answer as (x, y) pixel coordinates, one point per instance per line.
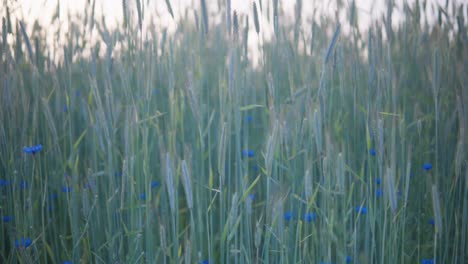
(427, 261)
(348, 260)
(308, 217)
(23, 243)
(33, 149)
(361, 210)
(142, 196)
(248, 153)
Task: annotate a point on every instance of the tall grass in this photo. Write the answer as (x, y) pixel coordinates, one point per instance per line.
(162, 147)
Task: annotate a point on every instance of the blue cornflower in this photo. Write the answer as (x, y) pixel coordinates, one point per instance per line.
(65, 108)
(53, 196)
(3, 183)
(118, 174)
(349, 259)
(66, 189)
(249, 119)
(309, 217)
(361, 210)
(248, 153)
(24, 185)
(205, 261)
(372, 152)
(427, 166)
(33, 149)
(427, 261)
(378, 181)
(142, 196)
(256, 168)
(288, 216)
(23, 242)
(7, 219)
(154, 184)
(379, 192)
(67, 262)
(431, 222)
(251, 196)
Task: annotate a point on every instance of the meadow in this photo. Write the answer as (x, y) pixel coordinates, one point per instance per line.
(149, 146)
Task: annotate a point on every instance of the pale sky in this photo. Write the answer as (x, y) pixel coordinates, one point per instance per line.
(42, 10)
(112, 9)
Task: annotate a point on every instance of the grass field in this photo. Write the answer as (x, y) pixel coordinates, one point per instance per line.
(338, 146)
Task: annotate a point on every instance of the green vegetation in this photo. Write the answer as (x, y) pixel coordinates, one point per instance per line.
(341, 146)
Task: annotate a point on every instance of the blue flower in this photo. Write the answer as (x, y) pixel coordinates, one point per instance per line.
(431, 221)
(288, 216)
(33, 149)
(309, 217)
(378, 181)
(53, 196)
(249, 119)
(118, 174)
(67, 262)
(142, 196)
(154, 184)
(349, 259)
(23, 242)
(379, 192)
(427, 261)
(24, 185)
(361, 210)
(248, 153)
(7, 219)
(205, 261)
(65, 108)
(66, 189)
(256, 168)
(251, 196)
(427, 166)
(372, 152)
(3, 183)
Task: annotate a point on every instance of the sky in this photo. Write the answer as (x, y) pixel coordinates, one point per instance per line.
(42, 10)
(112, 9)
